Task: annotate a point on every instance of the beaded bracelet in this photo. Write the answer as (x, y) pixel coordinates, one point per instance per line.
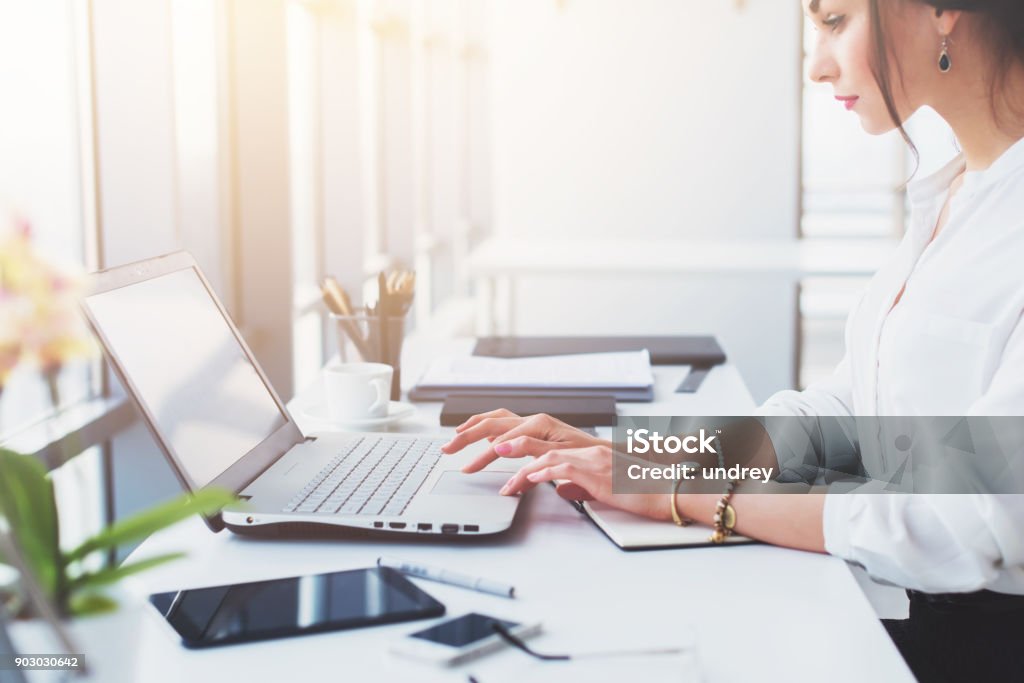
(725, 516)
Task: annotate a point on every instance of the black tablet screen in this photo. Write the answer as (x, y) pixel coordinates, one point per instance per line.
(293, 606)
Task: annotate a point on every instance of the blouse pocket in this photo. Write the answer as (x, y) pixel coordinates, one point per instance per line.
(948, 361)
(957, 330)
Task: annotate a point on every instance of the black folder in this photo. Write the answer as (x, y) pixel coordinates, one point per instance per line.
(597, 410)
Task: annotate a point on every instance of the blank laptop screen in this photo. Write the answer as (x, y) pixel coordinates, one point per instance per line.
(188, 370)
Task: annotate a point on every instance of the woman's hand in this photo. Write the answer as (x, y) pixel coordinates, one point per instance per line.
(582, 463)
(512, 436)
(586, 474)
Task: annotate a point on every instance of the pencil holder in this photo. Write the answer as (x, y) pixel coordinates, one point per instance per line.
(365, 337)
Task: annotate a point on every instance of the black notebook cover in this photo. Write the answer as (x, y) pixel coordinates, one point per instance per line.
(699, 351)
(580, 411)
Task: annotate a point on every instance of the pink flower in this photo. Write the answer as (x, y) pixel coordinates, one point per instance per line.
(39, 319)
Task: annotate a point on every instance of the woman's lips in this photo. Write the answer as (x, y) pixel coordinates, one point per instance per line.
(848, 101)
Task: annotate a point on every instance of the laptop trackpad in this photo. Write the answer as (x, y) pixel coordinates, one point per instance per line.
(454, 483)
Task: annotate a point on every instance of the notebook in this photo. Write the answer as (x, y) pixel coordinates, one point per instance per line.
(633, 532)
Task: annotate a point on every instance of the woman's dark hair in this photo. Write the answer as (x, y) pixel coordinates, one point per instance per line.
(1003, 23)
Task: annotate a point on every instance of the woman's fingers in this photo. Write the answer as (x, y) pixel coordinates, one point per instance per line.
(563, 470)
(529, 427)
(538, 426)
(518, 446)
(580, 481)
(583, 474)
(500, 412)
(588, 468)
(520, 480)
(488, 427)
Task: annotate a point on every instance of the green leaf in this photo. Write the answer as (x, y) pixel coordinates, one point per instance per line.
(143, 524)
(86, 604)
(113, 574)
(27, 503)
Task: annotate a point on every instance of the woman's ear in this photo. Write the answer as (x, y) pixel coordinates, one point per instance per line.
(946, 20)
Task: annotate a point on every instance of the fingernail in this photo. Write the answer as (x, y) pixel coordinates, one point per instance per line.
(503, 448)
(533, 476)
(505, 488)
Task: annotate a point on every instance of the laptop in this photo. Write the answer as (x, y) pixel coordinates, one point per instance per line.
(219, 422)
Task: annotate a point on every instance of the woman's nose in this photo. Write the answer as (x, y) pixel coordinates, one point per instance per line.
(822, 68)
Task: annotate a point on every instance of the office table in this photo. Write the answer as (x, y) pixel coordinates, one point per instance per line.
(751, 612)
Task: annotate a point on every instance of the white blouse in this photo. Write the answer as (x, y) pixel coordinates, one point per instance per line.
(953, 345)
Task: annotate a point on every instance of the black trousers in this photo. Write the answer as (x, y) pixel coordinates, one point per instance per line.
(968, 637)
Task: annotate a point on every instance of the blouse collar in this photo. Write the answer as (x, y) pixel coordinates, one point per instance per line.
(926, 190)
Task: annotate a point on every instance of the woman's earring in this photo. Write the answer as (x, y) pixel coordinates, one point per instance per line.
(945, 63)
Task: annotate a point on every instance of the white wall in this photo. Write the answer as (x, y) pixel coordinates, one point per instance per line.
(665, 117)
(652, 119)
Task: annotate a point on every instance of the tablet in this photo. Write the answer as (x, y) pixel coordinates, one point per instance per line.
(279, 608)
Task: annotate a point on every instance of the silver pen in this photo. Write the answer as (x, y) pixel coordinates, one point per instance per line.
(444, 576)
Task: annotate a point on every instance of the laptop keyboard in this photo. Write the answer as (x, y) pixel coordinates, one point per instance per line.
(371, 476)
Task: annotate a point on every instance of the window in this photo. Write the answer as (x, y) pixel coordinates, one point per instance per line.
(42, 177)
(388, 157)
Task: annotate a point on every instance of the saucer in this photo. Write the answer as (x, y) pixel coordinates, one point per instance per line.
(397, 410)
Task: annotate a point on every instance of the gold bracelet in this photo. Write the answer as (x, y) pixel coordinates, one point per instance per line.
(673, 504)
(725, 516)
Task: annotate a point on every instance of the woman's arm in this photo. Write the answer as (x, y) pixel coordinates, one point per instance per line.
(944, 542)
(790, 520)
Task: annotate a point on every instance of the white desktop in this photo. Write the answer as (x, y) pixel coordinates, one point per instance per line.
(752, 612)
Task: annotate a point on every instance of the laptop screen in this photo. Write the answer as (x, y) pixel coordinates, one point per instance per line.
(188, 369)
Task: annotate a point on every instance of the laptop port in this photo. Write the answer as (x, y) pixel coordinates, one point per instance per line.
(378, 525)
(396, 525)
(471, 527)
(424, 526)
(449, 528)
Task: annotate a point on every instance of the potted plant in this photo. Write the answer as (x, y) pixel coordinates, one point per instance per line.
(71, 584)
(101, 618)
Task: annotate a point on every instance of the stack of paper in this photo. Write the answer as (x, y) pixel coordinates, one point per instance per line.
(624, 373)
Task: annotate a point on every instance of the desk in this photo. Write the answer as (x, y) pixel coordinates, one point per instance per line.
(760, 613)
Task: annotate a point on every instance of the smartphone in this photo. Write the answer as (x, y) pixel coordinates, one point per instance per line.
(458, 640)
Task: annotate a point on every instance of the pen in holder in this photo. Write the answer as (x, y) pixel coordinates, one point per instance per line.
(375, 334)
(367, 337)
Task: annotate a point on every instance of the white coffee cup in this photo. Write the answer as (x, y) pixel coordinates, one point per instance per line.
(357, 391)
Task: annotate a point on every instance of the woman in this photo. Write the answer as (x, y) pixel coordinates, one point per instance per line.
(938, 332)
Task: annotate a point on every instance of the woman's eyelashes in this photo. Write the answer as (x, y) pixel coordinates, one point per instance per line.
(833, 21)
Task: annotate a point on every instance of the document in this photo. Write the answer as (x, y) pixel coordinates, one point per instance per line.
(631, 369)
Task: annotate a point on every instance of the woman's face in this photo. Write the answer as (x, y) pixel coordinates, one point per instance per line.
(843, 50)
